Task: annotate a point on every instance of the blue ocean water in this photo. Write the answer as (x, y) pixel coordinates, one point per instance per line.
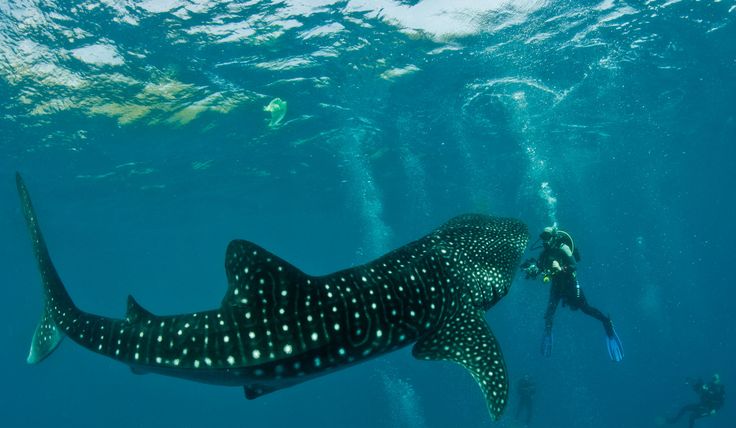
(140, 129)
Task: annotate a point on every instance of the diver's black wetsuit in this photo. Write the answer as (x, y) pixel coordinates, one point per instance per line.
(565, 286)
(712, 396)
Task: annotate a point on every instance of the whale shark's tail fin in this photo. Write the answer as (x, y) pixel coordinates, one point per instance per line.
(56, 300)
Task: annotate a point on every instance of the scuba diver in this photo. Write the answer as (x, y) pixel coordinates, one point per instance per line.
(556, 264)
(526, 389)
(711, 394)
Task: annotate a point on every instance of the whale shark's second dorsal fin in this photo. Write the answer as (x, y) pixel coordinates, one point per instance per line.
(256, 276)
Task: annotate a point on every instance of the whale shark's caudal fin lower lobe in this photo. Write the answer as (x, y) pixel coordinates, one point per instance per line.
(47, 335)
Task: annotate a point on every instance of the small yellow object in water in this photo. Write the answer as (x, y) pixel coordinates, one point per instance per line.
(277, 108)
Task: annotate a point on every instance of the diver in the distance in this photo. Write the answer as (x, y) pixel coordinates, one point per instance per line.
(526, 389)
(556, 263)
(712, 395)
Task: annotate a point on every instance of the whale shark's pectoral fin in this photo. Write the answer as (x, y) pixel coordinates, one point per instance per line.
(467, 340)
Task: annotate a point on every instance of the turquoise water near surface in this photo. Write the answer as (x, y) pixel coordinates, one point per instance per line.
(140, 129)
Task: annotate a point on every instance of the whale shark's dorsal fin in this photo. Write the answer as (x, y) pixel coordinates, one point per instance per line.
(467, 340)
(255, 275)
(136, 312)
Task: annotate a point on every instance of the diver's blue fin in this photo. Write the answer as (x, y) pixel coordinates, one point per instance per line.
(615, 348)
(547, 342)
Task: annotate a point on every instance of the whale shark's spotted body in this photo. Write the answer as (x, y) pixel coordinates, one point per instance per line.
(278, 326)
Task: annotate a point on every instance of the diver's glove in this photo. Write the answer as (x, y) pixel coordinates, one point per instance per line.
(547, 341)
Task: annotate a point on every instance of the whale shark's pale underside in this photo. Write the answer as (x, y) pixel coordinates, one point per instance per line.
(278, 326)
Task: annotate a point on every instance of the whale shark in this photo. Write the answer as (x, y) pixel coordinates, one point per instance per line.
(278, 326)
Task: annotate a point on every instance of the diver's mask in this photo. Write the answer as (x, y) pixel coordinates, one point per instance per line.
(548, 235)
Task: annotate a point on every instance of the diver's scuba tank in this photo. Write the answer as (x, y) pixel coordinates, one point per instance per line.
(563, 237)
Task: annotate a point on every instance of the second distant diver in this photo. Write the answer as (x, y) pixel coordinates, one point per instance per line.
(526, 389)
(712, 395)
(556, 264)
